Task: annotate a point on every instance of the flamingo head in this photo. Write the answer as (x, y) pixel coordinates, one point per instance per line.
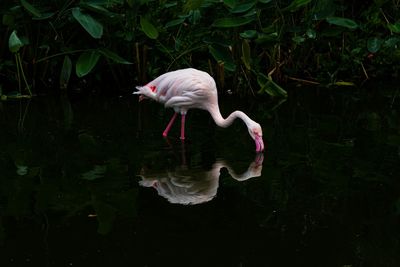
(255, 132)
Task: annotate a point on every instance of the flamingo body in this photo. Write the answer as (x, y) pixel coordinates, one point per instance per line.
(190, 88)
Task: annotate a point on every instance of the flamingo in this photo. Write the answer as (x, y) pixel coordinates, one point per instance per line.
(189, 88)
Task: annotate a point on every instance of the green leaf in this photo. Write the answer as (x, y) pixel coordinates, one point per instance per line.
(232, 22)
(22, 170)
(170, 4)
(113, 56)
(14, 43)
(343, 83)
(8, 20)
(323, 9)
(298, 39)
(44, 16)
(392, 42)
(246, 54)
(222, 54)
(374, 44)
(269, 86)
(394, 27)
(243, 7)
(92, 26)
(65, 72)
(192, 5)
(96, 7)
(311, 33)
(96, 173)
(86, 62)
(343, 22)
(174, 22)
(296, 4)
(148, 28)
(230, 3)
(248, 34)
(195, 16)
(31, 9)
(267, 38)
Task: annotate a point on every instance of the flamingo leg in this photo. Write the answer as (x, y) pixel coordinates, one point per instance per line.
(165, 133)
(183, 126)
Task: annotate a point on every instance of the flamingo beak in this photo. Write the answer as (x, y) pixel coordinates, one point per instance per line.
(141, 97)
(259, 143)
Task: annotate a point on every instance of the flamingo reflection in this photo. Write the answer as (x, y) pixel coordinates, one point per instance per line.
(194, 186)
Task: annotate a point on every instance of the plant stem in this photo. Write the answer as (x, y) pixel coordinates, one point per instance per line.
(18, 74)
(365, 72)
(23, 74)
(22, 117)
(184, 53)
(139, 75)
(61, 54)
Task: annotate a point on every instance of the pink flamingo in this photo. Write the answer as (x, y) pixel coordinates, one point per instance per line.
(190, 88)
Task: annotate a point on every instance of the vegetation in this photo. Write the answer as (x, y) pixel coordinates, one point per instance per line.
(330, 177)
(250, 45)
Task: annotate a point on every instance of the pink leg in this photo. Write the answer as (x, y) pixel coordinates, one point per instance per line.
(165, 133)
(183, 126)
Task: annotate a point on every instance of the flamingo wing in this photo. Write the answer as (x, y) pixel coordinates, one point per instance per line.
(180, 101)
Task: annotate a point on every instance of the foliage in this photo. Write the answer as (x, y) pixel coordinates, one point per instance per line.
(239, 42)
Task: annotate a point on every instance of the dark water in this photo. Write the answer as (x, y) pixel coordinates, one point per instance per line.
(325, 193)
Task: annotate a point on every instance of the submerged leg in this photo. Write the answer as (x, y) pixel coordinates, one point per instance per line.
(183, 126)
(165, 133)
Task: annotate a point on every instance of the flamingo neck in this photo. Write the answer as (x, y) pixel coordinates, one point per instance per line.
(252, 170)
(221, 122)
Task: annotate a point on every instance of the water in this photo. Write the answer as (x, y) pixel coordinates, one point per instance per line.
(91, 182)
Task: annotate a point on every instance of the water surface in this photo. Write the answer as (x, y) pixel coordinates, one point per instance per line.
(91, 182)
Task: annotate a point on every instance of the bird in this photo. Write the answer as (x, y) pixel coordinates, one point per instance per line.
(190, 88)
